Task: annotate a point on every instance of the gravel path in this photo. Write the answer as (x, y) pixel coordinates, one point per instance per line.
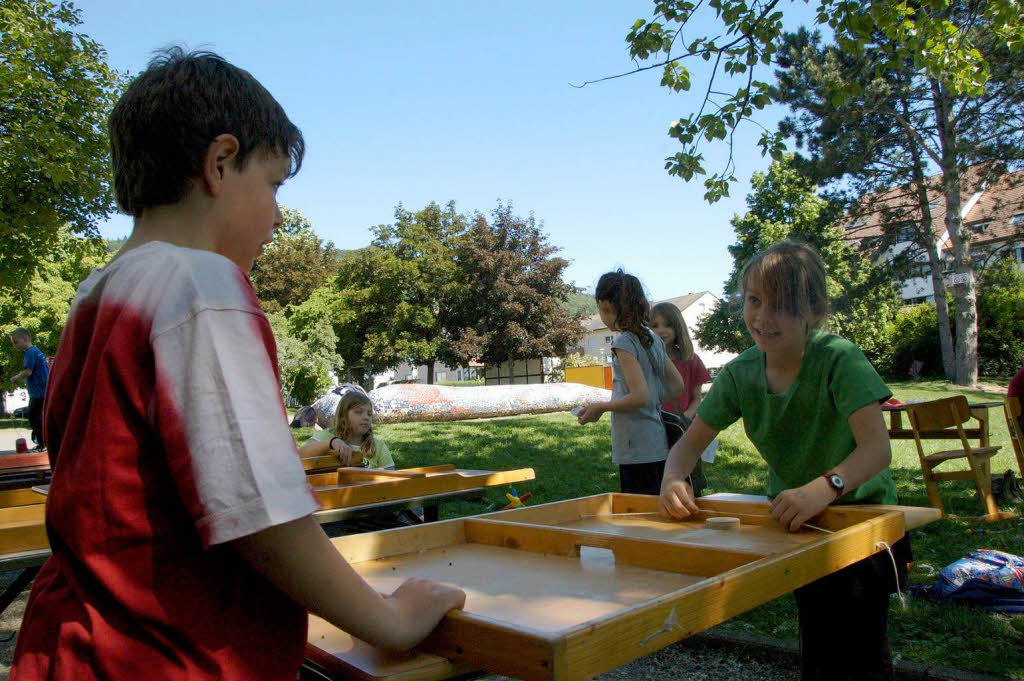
(9, 624)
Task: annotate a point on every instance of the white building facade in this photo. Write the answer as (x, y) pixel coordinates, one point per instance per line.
(597, 341)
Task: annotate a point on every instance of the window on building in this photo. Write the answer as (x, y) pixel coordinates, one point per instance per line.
(1018, 253)
(919, 269)
(870, 241)
(905, 234)
(1017, 219)
(608, 339)
(980, 227)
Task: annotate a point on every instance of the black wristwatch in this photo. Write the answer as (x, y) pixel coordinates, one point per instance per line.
(836, 482)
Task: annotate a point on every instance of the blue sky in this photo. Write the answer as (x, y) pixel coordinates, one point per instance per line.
(415, 102)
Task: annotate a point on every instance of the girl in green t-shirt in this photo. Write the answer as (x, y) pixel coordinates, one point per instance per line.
(352, 437)
(811, 405)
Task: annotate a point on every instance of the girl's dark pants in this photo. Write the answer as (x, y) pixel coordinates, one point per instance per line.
(641, 478)
(844, 619)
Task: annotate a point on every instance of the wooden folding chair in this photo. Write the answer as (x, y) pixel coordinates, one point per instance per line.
(1012, 409)
(943, 414)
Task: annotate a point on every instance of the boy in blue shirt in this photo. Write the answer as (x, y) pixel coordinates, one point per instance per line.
(35, 374)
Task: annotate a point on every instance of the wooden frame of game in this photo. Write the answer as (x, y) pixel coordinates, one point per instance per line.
(23, 511)
(570, 589)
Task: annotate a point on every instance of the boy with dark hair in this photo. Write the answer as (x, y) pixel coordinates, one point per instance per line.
(35, 374)
(179, 514)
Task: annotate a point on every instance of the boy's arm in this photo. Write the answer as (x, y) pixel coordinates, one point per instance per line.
(21, 375)
(676, 499)
(633, 400)
(300, 560)
(793, 507)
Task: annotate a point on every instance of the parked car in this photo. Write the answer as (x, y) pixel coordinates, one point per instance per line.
(20, 413)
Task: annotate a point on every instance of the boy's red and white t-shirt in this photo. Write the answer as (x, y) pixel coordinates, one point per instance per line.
(168, 438)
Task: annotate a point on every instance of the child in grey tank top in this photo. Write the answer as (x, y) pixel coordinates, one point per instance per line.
(643, 378)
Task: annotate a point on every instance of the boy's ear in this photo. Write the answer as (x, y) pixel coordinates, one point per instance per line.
(219, 155)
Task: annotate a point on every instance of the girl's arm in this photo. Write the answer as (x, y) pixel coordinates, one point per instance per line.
(696, 395)
(793, 507)
(636, 398)
(301, 561)
(700, 376)
(314, 447)
(673, 380)
(676, 500)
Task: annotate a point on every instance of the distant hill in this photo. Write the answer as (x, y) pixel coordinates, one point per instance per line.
(581, 302)
(114, 245)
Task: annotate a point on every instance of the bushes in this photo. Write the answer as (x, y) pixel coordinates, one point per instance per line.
(913, 335)
(1000, 332)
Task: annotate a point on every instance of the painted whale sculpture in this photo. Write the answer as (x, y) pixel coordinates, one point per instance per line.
(418, 402)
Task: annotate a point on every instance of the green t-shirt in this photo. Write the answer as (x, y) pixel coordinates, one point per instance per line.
(381, 458)
(803, 432)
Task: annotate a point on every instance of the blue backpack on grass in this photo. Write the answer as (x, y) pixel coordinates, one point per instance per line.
(992, 580)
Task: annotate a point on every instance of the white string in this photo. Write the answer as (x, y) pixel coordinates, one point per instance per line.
(896, 573)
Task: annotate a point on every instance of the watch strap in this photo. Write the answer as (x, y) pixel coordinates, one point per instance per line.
(838, 490)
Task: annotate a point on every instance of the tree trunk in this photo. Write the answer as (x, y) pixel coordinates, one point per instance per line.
(964, 295)
(938, 283)
(3, 404)
(430, 373)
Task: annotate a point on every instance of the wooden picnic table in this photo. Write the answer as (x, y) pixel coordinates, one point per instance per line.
(979, 411)
(18, 471)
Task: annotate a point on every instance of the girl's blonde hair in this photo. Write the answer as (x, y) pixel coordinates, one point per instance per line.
(348, 401)
(674, 318)
(791, 275)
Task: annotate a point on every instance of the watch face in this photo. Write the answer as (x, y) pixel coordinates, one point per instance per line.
(836, 481)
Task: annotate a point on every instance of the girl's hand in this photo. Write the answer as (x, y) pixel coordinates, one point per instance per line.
(341, 448)
(590, 413)
(676, 500)
(793, 507)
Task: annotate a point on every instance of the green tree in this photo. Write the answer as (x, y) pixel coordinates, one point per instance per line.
(306, 355)
(42, 306)
(362, 304)
(891, 126)
(419, 257)
(783, 204)
(296, 263)
(511, 302)
(923, 33)
(56, 92)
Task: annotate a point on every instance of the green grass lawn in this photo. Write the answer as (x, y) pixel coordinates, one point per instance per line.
(574, 461)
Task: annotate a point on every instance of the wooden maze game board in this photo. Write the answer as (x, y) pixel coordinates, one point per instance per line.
(570, 589)
(23, 511)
